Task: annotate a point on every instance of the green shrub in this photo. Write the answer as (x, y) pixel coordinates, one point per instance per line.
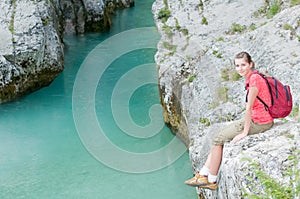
(235, 27)
(295, 110)
(235, 76)
(201, 6)
(224, 74)
(287, 27)
(204, 21)
(274, 9)
(11, 27)
(164, 14)
(172, 48)
(218, 55)
(252, 26)
(192, 77)
(214, 104)
(223, 94)
(229, 117)
(177, 26)
(169, 46)
(270, 10)
(220, 39)
(272, 188)
(184, 31)
(205, 121)
(168, 30)
(295, 2)
(45, 21)
(166, 3)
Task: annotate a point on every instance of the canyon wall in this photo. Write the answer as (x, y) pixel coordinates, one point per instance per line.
(31, 33)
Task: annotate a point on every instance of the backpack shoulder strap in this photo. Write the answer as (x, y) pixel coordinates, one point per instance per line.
(265, 105)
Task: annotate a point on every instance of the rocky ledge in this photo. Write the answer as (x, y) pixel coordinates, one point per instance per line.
(31, 50)
(200, 90)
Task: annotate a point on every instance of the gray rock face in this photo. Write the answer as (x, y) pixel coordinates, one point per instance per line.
(89, 15)
(200, 90)
(237, 176)
(31, 50)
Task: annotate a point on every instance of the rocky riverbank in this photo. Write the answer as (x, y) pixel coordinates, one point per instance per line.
(200, 90)
(31, 50)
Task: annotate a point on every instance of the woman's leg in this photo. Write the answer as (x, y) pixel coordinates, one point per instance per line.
(215, 159)
(208, 160)
(213, 163)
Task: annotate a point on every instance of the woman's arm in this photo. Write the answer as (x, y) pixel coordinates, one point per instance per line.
(253, 91)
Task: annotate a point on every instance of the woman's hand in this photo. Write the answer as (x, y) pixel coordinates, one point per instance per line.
(238, 138)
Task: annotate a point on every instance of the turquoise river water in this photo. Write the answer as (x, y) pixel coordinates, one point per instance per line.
(50, 146)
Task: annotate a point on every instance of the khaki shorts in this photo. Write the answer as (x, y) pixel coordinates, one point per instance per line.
(227, 133)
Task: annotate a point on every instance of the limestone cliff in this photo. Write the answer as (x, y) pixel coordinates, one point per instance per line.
(89, 15)
(200, 90)
(31, 32)
(31, 52)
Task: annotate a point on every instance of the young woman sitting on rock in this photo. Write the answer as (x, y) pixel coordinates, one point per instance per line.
(256, 120)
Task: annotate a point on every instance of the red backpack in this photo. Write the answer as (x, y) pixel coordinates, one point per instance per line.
(281, 97)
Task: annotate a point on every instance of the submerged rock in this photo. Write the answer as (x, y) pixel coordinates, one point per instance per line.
(200, 90)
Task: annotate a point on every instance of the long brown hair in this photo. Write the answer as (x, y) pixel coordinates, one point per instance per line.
(246, 57)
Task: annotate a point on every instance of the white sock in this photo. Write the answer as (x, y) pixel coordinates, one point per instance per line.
(212, 178)
(204, 171)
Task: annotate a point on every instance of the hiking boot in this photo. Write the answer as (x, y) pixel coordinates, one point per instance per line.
(197, 180)
(208, 185)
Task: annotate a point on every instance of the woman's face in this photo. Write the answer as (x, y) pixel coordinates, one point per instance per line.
(243, 67)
